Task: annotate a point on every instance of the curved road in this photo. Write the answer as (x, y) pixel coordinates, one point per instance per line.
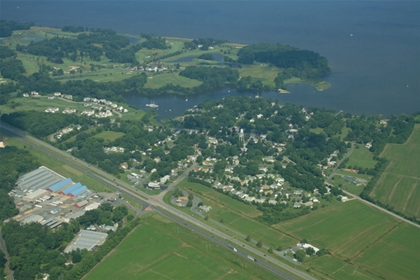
(150, 201)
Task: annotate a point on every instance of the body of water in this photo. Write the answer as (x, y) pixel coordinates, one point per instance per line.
(373, 46)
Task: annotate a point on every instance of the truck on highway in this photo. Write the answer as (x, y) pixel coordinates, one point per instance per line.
(232, 248)
(251, 258)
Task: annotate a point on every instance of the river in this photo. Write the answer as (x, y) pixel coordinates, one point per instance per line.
(373, 46)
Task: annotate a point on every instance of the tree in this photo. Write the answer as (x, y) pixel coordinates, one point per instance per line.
(248, 238)
(310, 251)
(279, 248)
(300, 255)
(259, 244)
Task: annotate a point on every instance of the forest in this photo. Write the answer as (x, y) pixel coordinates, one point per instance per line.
(35, 249)
(14, 163)
(7, 27)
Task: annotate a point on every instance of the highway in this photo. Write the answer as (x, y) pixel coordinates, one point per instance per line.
(155, 203)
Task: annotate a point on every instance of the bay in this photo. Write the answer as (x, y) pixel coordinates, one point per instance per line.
(373, 46)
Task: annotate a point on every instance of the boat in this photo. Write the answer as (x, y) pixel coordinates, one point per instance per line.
(152, 105)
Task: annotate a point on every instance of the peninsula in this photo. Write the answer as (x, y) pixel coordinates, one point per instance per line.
(101, 61)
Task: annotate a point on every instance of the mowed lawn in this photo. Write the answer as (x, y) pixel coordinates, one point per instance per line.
(399, 185)
(160, 80)
(109, 135)
(361, 240)
(361, 157)
(160, 249)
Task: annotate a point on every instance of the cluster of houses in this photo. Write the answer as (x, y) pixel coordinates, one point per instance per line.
(66, 130)
(113, 150)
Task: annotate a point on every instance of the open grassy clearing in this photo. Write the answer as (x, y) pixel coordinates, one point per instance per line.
(263, 72)
(317, 84)
(159, 80)
(160, 249)
(361, 157)
(355, 232)
(109, 135)
(211, 194)
(62, 169)
(337, 181)
(399, 185)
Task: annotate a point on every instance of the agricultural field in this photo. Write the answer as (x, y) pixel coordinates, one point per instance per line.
(361, 157)
(160, 249)
(362, 241)
(399, 185)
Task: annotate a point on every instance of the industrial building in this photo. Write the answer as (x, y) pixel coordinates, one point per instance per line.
(40, 178)
(86, 240)
(60, 185)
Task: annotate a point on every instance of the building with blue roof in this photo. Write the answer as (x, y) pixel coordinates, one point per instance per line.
(78, 191)
(58, 186)
(70, 189)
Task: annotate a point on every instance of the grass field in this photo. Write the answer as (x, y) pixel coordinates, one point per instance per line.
(354, 189)
(361, 157)
(358, 237)
(399, 185)
(157, 81)
(63, 169)
(109, 135)
(160, 249)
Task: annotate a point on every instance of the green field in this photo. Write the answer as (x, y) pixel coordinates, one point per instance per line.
(159, 80)
(361, 157)
(358, 237)
(399, 185)
(160, 249)
(109, 135)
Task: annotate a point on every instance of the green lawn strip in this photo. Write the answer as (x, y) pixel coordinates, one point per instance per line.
(160, 249)
(317, 84)
(109, 135)
(346, 185)
(317, 130)
(361, 157)
(211, 194)
(395, 256)
(344, 132)
(133, 202)
(160, 80)
(263, 72)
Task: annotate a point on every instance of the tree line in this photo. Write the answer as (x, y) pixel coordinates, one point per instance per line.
(35, 249)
